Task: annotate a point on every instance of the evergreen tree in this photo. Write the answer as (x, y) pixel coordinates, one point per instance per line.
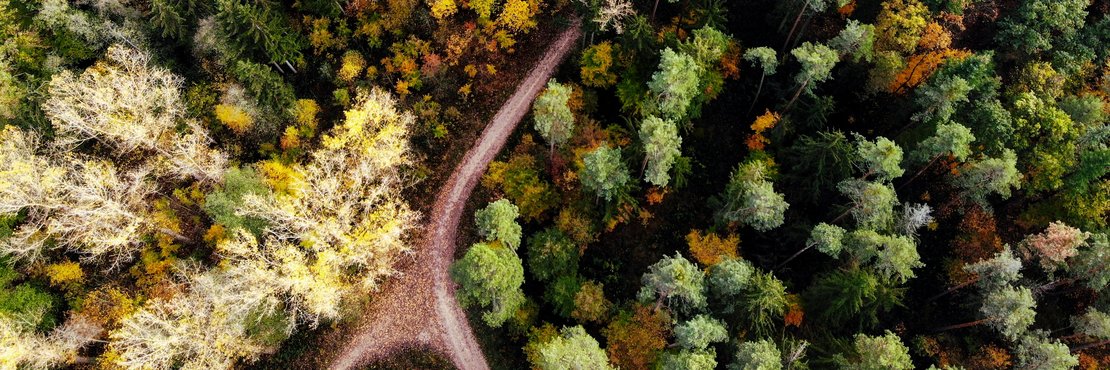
(661, 147)
(554, 120)
(757, 355)
(604, 173)
(675, 84)
(497, 222)
(699, 332)
(676, 282)
(750, 199)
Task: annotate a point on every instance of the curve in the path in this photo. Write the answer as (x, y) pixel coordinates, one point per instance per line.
(418, 308)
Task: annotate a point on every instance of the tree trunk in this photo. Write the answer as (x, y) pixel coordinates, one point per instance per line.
(792, 257)
(805, 5)
(1091, 345)
(757, 91)
(953, 289)
(177, 236)
(795, 98)
(919, 172)
(653, 9)
(964, 325)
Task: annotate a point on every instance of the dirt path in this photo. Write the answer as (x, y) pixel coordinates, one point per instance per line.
(417, 309)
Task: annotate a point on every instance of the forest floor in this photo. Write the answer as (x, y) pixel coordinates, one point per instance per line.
(418, 309)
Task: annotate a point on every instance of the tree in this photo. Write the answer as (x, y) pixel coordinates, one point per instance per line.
(757, 355)
(490, 276)
(881, 158)
(1038, 24)
(817, 62)
(675, 84)
(1055, 245)
(635, 338)
(343, 204)
(939, 98)
(900, 25)
(207, 327)
(699, 332)
(763, 302)
(554, 120)
(519, 179)
(851, 295)
(1093, 323)
(615, 14)
(661, 146)
(222, 203)
(951, 139)
(572, 349)
(147, 98)
(872, 203)
(991, 274)
(255, 29)
(590, 303)
(700, 359)
(1008, 310)
(856, 40)
(885, 352)
(977, 180)
(892, 256)
(768, 63)
(1036, 352)
(914, 217)
(604, 173)
(1091, 263)
(265, 85)
(597, 64)
(24, 348)
(551, 254)
(706, 47)
(750, 199)
(817, 6)
(676, 282)
(829, 239)
(709, 248)
(728, 279)
(497, 222)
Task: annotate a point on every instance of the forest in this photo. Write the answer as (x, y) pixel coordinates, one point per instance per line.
(555, 184)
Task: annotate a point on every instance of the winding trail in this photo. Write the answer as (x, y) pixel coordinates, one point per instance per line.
(417, 308)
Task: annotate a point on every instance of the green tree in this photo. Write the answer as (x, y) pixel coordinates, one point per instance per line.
(1092, 264)
(561, 292)
(706, 47)
(727, 280)
(885, 352)
(675, 84)
(872, 203)
(978, 180)
(817, 62)
(604, 173)
(265, 85)
(881, 158)
(1036, 352)
(661, 146)
(169, 17)
(676, 282)
(497, 222)
(257, 29)
(590, 304)
(892, 256)
(757, 355)
(851, 295)
(950, 139)
(1093, 323)
(767, 61)
(1008, 310)
(490, 276)
(750, 199)
(221, 203)
(554, 120)
(551, 254)
(856, 40)
(699, 332)
(699, 359)
(1038, 24)
(572, 349)
(939, 98)
(763, 302)
(991, 274)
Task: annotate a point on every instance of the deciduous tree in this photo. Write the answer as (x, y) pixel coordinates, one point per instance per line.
(573, 348)
(490, 276)
(699, 332)
(757, 355)
(885, 352)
